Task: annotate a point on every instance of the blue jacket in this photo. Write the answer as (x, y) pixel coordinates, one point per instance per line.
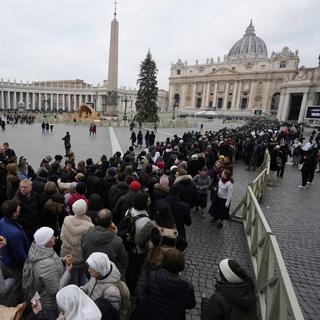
(16, 251)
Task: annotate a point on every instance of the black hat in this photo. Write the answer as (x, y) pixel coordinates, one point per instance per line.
(58, 157)
(59, 198)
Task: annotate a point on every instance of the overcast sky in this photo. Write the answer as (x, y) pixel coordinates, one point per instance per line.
(69, 39)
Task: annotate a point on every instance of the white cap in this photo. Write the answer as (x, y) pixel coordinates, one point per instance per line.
(79, 207)
(228, 273)
(42, 236)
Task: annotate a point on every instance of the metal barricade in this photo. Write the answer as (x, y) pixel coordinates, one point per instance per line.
(276, 295)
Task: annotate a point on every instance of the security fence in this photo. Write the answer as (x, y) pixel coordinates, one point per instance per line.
(276, 295)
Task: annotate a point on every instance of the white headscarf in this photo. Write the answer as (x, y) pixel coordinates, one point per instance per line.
(156, 156)
(99, 262)
(76, 304)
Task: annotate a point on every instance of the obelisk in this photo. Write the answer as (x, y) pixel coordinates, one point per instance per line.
(112, 105)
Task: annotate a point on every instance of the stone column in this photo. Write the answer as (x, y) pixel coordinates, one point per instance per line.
(63, 101)
(214, 99)
(285, 108)
(33, 100)
(39, 100)
(99, 104)
(51, 101)
(234, 94)
(9, 100)
(203, 96)
(206, 102)
(238, 96)
(2, 99)
(266, 97)
(183, 97)
(27, 101)
(303, 107)
(226, 94)
(75, 103)
(251, 96)
(14, 99)
(193, 104)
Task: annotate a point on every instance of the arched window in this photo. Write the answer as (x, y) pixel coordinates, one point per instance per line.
(176, 100)
(275, 101)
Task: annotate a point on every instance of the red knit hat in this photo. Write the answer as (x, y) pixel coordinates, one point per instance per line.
(135, 186)
(160, 165)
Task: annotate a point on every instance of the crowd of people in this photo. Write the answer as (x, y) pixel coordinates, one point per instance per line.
(16, 118)
(106, 240)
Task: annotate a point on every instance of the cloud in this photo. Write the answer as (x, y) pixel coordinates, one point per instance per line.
(69, 39)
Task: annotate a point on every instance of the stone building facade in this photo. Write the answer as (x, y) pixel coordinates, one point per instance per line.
(245, 80)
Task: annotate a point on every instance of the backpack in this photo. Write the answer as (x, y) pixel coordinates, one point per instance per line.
(127, 230)
(278, 162)
(125, 305)
(28, 280)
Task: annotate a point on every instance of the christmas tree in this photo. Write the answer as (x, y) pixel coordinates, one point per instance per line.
(147, 95)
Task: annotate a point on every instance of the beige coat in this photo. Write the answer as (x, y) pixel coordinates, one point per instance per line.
(72, 230)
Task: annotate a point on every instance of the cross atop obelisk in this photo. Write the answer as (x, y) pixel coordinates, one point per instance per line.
(115, 8)
(113, 66)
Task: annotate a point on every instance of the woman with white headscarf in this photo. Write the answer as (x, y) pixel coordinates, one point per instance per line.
(104, 276)
(156, 156)
(76, 305)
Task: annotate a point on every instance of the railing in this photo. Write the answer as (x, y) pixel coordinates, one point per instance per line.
(276, 295)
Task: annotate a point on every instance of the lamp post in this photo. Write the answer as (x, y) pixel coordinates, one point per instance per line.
(125, 100)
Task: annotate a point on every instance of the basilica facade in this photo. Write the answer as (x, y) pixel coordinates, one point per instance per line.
(247, 81)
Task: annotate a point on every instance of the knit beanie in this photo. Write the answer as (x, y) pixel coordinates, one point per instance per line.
(42, 236)
(228, 273)
(79, 207)
(164, 181)
(135, 186)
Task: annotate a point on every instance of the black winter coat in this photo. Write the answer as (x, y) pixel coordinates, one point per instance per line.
(227, 295)
(186, 189)
(168, 296)
(181, 213)
(116, 192)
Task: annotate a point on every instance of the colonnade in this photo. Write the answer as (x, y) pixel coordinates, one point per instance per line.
(44, 100)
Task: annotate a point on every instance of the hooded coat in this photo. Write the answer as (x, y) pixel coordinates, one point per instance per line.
(100, 239)
(50, 274)
(227, 295)
(186, 189)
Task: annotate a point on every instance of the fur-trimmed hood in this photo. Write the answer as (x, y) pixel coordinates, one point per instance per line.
(184, 179)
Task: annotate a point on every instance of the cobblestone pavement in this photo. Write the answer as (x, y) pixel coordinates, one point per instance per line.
(294, 218)
(209, 244)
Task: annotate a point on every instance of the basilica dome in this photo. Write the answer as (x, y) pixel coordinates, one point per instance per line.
(249, 46)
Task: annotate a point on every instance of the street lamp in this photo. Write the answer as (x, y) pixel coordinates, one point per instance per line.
(125, 100)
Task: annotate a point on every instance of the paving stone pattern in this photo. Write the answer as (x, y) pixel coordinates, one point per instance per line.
(294, 218)
(208, 245)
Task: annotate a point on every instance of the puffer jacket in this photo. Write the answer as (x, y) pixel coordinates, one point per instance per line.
(105, 287)
(71, 232)
(50, 274)
(168, 296)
